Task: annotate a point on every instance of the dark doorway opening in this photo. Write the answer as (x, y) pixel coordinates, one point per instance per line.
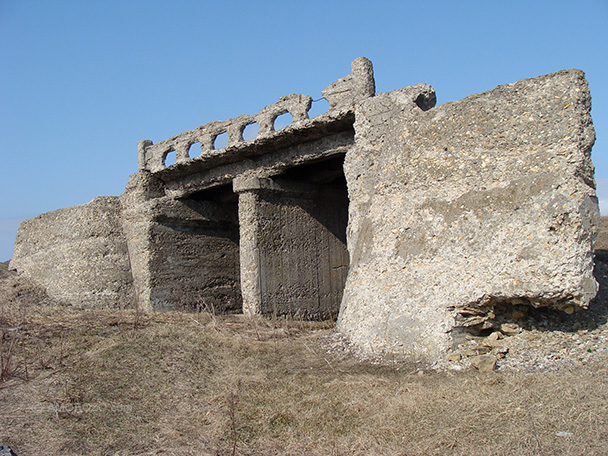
(198, 239)
(303, 258)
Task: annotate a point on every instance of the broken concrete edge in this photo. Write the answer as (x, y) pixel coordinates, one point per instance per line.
(341, 95)
(496, 209)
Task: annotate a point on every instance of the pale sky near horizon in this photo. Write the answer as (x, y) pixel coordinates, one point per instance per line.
(83, 81)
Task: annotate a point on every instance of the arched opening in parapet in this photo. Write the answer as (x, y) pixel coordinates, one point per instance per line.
(282, 121)
(170, 158)
(251, 131)
(194, 150)
(197, 254)
(301, 253)
(220, 141)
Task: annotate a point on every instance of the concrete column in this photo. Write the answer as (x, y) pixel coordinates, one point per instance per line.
(249, 252)
(251, 223)
(137, 219)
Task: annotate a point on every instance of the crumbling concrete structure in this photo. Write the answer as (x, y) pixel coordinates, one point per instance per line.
(412, 222)
(472, 206)
(79, 254)
(259, 225)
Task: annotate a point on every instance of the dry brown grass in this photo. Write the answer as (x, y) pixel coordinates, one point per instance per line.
(90, 383)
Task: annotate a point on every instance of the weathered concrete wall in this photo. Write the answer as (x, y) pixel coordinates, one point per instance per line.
(455, 209)
(293, 247)
(601, 243)
(195, 256)
(78, 254)
(185, 253)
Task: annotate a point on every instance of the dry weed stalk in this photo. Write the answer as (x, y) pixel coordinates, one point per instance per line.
(203, 306)
(137, 314)
(232, 402)
(27, 374)
(6, 357)
(254, 321)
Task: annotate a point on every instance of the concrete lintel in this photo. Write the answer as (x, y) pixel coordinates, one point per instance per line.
(267, 165)
(292, 188)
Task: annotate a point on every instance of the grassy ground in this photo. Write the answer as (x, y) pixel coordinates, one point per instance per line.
(119, 383)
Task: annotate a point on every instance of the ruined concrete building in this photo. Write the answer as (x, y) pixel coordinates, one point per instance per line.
(406, 221)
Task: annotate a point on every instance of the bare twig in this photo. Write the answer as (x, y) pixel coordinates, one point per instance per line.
(6, 358)
(233, 400)
(540, 447)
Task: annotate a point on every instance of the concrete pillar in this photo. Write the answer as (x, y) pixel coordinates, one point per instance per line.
(137, 220)
(249, 252)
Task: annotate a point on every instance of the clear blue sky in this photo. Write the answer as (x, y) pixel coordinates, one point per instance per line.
(82, 81)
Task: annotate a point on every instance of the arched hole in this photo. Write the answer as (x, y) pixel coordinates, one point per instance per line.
(320, 106)
(251, 131)
(194, 150)
(220, 141)
(282, 121)
(170, 158)
(426, 102)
